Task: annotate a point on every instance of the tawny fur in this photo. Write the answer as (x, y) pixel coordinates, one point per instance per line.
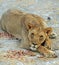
(22, 25)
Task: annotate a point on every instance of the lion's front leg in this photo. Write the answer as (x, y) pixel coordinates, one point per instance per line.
(47, 53)
(48, 43)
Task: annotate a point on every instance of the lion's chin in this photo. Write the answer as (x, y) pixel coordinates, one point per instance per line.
(33, 49)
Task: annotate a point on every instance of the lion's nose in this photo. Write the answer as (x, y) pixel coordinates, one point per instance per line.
(34, 43)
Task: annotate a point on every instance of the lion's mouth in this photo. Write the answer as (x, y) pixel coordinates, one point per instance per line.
(35, 46)
(43, 44)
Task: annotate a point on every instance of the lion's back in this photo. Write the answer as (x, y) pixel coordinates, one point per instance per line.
(11, 22)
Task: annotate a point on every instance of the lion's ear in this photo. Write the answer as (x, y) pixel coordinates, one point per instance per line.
(30, 26)
(30, 21)
(48, 30)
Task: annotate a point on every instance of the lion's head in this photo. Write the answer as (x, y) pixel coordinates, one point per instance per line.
(37, 37)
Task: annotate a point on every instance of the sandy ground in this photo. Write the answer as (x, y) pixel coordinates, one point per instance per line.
(44, 8)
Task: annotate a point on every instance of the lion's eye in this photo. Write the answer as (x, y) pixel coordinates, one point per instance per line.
(32, 35)
(41, 36)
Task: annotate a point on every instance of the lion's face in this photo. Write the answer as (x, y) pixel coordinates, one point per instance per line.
(37, 37)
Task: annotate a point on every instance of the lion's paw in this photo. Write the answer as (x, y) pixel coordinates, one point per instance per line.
(50, 54)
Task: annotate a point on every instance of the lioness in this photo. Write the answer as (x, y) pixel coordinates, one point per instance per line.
(31, 29)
